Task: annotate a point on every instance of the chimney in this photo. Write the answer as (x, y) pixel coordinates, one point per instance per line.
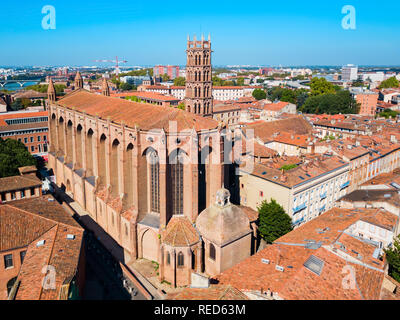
(393, 138)
(283, 176)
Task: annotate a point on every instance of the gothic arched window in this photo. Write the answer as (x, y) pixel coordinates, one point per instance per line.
(212, 252)
(177, 183)
(154, 166)
(181, 259)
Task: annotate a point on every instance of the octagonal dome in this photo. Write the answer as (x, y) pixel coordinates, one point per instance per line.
(223, 222)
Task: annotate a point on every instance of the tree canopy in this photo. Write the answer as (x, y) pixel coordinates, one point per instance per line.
(141, 72)
(179, 81)
(321, 86)
(296, 96)
(259, 94)
(389, 83)
(43, 88)
(331, 103)
(389, 113)
(125, 86)
(393, 258)
(273, 222)
(165, 77)
(13, 154)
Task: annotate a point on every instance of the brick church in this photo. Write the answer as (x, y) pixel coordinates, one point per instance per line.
(152, 177)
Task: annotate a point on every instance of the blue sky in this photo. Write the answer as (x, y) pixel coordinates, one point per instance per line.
(152, 32)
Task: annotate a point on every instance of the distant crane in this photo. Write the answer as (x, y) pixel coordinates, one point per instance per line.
(116, 61)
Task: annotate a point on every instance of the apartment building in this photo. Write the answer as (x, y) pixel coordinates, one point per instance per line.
(30, 128)
(305, 191)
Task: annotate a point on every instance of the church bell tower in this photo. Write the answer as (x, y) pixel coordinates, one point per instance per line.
(198, 97)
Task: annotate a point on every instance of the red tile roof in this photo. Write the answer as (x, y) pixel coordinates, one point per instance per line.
(212, 293)
(25, 222)
(259, 272)
(145, 116)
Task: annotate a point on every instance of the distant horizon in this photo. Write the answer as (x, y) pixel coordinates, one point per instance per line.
(214, 66)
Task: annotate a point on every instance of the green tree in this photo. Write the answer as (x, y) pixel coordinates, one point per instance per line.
(389, 83)
(141, 72)
(357, 83)
(179, 81)
(388, 113)
(259, 94)
(125, 86)
(393, 258)
(217, 81)
(16, 105)
(321, 86)
(165, 77)
(43, 88)
(273, 222)
(240, 81)
(26, 103)
(339, 102)
(13, 154)
(181, 106)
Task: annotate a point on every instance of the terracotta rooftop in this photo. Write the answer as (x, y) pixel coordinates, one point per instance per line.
(145, 95)
(266, 130)
(251, 213)
(299, 174)
(180, 233)
(29, 94)
(277, 106)
(214, 292)
(23, 224)
(373, 195)
(300, 140)
(19, 182)
(145, 116)
(22, 115)
(301, 280)
(385, 179)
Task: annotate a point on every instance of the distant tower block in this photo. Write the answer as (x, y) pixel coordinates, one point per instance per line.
(198, 98)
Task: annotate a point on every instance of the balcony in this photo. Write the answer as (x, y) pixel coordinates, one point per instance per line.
(299, 208)
(345, 185)
(298, 222)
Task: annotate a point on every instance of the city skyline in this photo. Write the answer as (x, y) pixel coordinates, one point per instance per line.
(147, 34)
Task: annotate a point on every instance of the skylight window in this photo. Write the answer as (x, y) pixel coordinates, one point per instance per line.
(40, 243)
(314, 264)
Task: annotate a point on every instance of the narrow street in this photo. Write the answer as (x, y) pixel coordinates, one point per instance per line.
(104, 277)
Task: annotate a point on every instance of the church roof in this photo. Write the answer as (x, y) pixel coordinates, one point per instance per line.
(180, 233)
(145, 116)
(223, 222)
(214, 292)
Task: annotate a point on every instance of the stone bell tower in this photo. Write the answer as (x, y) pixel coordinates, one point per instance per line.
(198, 97)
